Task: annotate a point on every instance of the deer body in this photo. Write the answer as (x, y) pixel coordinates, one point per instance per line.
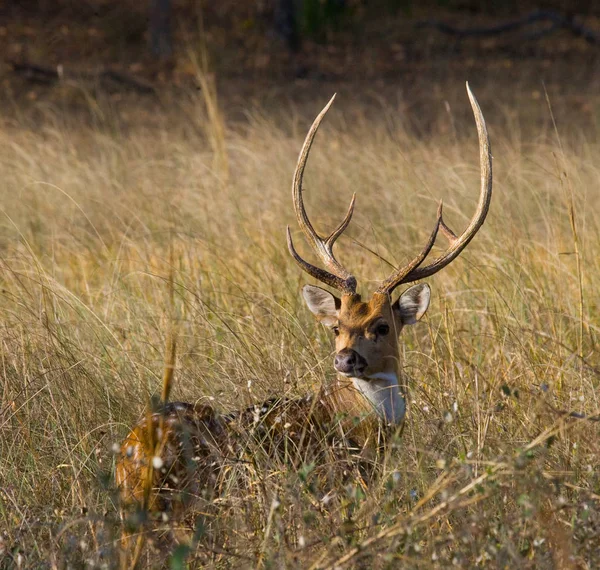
(183, 448)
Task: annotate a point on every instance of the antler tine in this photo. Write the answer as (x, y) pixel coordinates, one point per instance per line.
(457, 243)
(347, 286)
(397, 277)
(343, 224)
(339, 278)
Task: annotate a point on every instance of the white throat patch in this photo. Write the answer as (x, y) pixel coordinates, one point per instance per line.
(383, 391)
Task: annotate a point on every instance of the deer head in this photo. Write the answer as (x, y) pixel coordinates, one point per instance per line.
(367, 331)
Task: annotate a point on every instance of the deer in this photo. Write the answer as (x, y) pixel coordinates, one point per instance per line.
(180, 450)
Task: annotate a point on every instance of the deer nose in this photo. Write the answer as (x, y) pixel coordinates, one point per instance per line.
(348, 361)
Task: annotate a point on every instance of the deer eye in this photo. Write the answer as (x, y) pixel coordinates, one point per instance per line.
(382, 329)
(336, 330)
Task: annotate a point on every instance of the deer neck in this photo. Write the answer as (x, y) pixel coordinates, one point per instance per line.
(383, 393)
(375, 401)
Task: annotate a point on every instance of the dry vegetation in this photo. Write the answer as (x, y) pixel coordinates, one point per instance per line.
(96, 214)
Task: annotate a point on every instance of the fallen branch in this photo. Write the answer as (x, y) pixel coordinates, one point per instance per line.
(558, 21)
(48, 75)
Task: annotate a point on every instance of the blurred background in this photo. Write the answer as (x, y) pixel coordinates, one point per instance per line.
(260, 49)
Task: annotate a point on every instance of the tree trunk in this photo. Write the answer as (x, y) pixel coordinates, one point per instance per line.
(286, 23)
(160, 28)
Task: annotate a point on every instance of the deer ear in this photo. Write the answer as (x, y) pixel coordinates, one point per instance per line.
(324, 305)
(412, 304)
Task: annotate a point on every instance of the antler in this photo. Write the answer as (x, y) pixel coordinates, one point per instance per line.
(337, 276)
(412, 271)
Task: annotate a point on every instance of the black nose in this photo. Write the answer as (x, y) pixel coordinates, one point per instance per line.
(348, 361)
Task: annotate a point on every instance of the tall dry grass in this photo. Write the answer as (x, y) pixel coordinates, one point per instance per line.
(98, 214)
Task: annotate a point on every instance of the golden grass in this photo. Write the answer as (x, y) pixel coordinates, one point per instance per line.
(95, 219)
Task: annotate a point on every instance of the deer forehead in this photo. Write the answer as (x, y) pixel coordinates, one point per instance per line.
(356, 314)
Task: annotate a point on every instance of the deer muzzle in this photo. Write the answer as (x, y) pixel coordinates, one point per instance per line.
(349, 363)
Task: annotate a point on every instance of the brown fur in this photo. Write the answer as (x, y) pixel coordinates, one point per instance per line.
(357, 324)
(195, 444)
(178, 457)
